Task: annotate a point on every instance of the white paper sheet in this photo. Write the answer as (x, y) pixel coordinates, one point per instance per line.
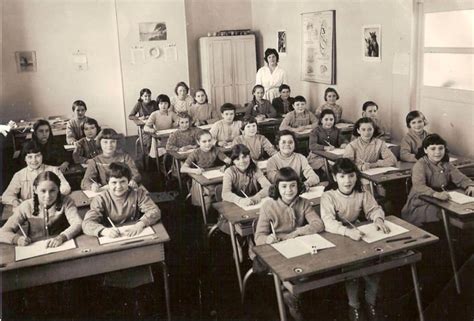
(460, 198)
(69, 147)
(207, 126)
(452, 159)
(337, 151)
(84, 165)
(344, 125)
(303, 132)
(148, 231)
(314, 192)
(91, 194)
(166, 131)
(215, 173)
(380, 170)
(372, 235)
(301, 245)
(266, 120)
(255, 206)
(390, 144)
(39, 248)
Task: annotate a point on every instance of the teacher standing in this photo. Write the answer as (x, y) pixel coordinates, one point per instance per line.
(271, 76)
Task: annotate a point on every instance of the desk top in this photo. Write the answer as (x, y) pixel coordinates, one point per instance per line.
(346, 253)
(452, 208)
(403, 173)
(203, 181)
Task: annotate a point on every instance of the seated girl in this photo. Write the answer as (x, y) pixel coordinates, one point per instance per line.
(86, 147)
(256, 143)
(225, 130)
(73, 127)
(259, 107)
(412, 141)
(182, 101)
(284, 103)
(184, 138)
(201, 111)
(144, 107)
(330, 96)
(53, 153)
(300, 119)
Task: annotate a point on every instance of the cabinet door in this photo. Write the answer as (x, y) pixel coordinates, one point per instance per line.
(245, 68)
(220, 63)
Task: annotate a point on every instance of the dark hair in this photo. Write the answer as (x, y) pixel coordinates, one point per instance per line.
(433, 139)
(346, 166)
(78, 103)
(271, 51)
(205, 93)
(227, 106)
(330, 90)
(365, 120)
(184, 115)
(327, 112)
(369, 103)
(118, 170)
(254, 100)
(163, 98)
(244, 150)
(283, 87)
(29, 147)
(415, 114)
(284, 132)
(299, 98)
(143, 91)
(39, 123)
(90, 121)
(107, 133)
(247, 120)
(46, 176)
(181, 84)
(285, 174)
(202, 132)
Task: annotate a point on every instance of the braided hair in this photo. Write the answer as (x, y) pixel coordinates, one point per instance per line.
(46, 176)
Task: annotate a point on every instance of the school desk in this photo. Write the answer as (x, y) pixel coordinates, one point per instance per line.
(349, 259)
(459, 215)
(89, 258)
(240, 223)
(140, 123)
(403, 173)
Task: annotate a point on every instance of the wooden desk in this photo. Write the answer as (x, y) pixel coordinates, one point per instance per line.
(462, 216)
(203, 182)
(334, 265)
(89, 258)
(404, 172)
(462, 162)
(140, 123)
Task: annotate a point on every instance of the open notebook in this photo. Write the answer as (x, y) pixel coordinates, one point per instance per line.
(302, 245)
(380, 170)
(39, 248)
(215, 173)
(314, 192)
(146, 233)
(374, 235)
(460, 198)
(337, 151)
(255, 206)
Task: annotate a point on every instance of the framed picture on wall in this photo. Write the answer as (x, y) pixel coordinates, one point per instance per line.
(319, 47)
(25, 61)
(372, 43)
(152, 31)
(281, 42)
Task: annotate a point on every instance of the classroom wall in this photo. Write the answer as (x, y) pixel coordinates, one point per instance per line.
(357, 81)
(56, 29)
(205, 16)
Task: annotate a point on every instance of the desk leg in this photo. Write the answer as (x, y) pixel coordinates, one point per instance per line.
(233, 239)
(371, 184)
(203, 204)
(417, 291)
(140, 139)
(451, 251)
(177, 165)
(167, 289)
(281, 304)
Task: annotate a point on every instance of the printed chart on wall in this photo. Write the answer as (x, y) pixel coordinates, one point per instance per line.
(319, 47)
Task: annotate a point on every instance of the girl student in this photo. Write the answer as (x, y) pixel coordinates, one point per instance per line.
(432, 175)
(47, 214)
(300, 119)
(225, 130)
(86, 147)
(144, 106)
(182, 101)
(340, 207)
(283, 103)
(53, 153)
(256, 143)
(21, 186)
(259, 107)
(201, 111)
(412, 141)
(330, 98)
(325, 137)
(370, 109)
(286, 157)
(184, 138)
(204, 157)
(286, 216)
(73, 127)
(95, 177)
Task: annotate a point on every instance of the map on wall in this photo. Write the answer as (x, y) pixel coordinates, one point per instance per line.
(319, 47)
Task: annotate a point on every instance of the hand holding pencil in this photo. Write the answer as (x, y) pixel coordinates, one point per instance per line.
(23, 240)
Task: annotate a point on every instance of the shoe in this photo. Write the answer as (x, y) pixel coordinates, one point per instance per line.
(293, 304)
(372, 313)
(356, 314)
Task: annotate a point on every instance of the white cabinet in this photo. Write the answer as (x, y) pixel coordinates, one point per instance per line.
(228, 68)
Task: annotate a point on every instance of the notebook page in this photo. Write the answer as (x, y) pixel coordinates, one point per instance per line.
(380, 170)
(314, 192)
(308, 241)
(460, 198)
(148, 231)
(290, 248)
(337, 151)
(215, 173)
(372, 235)
(91, 194)
(254, 206)
(39, 248)
(344, 125)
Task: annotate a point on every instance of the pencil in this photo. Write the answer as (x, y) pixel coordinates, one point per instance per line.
(273, 229)
(113, 225)
(22, 231)
(352, 225)
(196, 165)
(329, 144)
(244, 193)
(94, 181)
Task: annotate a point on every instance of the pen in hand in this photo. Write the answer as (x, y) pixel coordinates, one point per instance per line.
(113, 225)
(353, 226)
(273, 230)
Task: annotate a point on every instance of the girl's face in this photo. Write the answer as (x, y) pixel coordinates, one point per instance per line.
(435, 153)
(90, 131)
(272, 60)
(118, 186)
(205, 142)
(163, 106)
(200, 97)
(250, 129)
(108, 146)
(80, 112)
(299, 106)
(42, 133)
(286, 144)
(242, 163)
(183, 123)
(34, 160)
(285, 94)
(327, 121)
(288, 191)
(346, 182)
(331, 98)
(371, 111)
(228, 116)
(146, 97)
(366, 131)
(182, 92)
(259, 92)
(417, 125)
(47, 192)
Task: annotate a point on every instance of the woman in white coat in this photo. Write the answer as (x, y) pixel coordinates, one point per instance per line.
(271, 76)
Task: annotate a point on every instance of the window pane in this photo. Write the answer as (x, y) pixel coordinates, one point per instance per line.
(449, 29)
(448, 70)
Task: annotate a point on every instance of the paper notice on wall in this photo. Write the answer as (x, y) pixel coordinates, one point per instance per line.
(401, 63)
(171, 53)
(137, 55)
(79, 60)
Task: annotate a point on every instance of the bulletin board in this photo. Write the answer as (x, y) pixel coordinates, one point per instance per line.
(319, 47)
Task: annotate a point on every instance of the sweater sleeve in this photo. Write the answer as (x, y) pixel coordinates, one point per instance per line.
(419, 180)
(70, 139)
(313, 120)
(8, 232)
(372, 210)
(272, 169)
(264, 184)
(92, 224)
(263, 225)
(78, 154)
(215, 130)
(131, 164)
(64, 188)
(308, 172)
(227, 182)
(388, 158)
(74, 219)
(134, 111)
(268, 147)
(214, 115)
(349, 152)
(458, 178)
(151, 212)
(328, 215)
(313, 141)
(315, 224)
(12, 191)
(405, 151)
(285, 124)
(90, 174)
(171, 144)
(271, 110)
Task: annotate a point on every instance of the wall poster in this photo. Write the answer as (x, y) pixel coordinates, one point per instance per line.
(319, 47)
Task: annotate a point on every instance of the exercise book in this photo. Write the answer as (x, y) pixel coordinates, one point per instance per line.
(314, 192)
(380, 170)
(215, 173)
(146, 233)
(254, 206)
(302, 245)
(373, 235)
(39, 248)
(460, 198)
